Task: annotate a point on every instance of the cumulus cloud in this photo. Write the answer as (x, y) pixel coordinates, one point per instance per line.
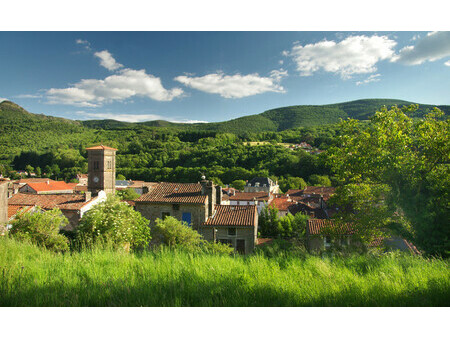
(125, 84)
(107, 60)
(133, 117)
(371, 78)
(28, 96)
(235, 86)
(434, 46)
(353, 55)
(447, 63)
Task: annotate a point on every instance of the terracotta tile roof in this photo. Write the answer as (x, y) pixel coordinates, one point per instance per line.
(233, 215)
(80, 188)
(101, 147)
(14, 209)
(281, 203)
(264, 241)
(309, 191)
(130, 202)
(326, 226)
(165, 192)
(34, 180)
(250, 196)
(60, 201)
(294, 192)
(72, 185)
(49, 186)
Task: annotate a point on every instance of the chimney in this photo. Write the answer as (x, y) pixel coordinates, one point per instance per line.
(87, 196)
(208, 189)
(48, 182)
(218, 194)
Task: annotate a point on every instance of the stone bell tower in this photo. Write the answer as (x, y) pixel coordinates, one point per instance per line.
(101, 169)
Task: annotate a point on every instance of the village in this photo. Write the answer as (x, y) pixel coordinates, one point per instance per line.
(220, 214)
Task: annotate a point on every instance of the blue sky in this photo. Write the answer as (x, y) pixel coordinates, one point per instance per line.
(216, 76)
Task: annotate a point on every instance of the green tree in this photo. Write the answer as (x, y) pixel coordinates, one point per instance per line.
(120, 177)
(116, 222)
(292, 183)
(318, 180)
(396, 170)
(38, 171)
(238, 184)
(127, 194)
(41, 228)
(29, 169)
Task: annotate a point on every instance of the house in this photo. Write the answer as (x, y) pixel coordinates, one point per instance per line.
(3, 205)
(323, 233)
(262, 184)
(82, 179)
(73, 206)
(282, 203)
(140, 187)
(233, 225)
(46, 187)
(260, 199)
(192, 203)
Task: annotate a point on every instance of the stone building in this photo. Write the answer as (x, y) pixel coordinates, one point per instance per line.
(233, 225)
(192, 203)
(101, 169)
(260, 199)
(259, 184)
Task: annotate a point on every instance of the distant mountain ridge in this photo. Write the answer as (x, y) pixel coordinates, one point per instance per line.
(277, 119)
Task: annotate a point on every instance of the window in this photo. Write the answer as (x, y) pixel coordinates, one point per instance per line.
(96, 164)
(109, 165)
(164, 215)
(231, 231)
(186, 217)
(343, 241)
(327, 241)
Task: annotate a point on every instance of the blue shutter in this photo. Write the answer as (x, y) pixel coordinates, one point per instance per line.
(186, 218)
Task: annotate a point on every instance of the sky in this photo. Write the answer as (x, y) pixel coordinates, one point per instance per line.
(216, 76)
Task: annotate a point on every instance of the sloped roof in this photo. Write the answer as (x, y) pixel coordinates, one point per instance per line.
(325, 226)
(50, 186)
(261, 180)
(100, 147)
(250, 196)
(166, 192)
(281, 203)
(233, 215)
(14, 209)
(60, 201)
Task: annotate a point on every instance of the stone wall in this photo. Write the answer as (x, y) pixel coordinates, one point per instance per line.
(245, 233)
(3, 205)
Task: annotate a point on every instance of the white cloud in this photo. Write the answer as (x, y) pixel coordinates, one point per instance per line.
(353, 55)
(133, 117)
(84, 43)
(235, 86)
(125, 84)
(107, 60)
(434, 46)
(28, 96)
(447, 63)
(3, 99)
(371, 78)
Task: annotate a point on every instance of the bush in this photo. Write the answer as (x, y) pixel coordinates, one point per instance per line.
(41, 228)
(127, 194)
(115, 222)
(174, 233)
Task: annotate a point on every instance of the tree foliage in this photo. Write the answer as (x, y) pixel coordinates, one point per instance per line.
(396, 171)
(116, 222)
(42, 228)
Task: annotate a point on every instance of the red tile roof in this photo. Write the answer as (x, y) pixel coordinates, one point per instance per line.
(250, 196)
(50, 186)
(165, 192)
(264, 241)
(101, 147)
(49, 201)
(327, 226)
(281, 203)
(233, 215)
(14, 209)
(72, 185)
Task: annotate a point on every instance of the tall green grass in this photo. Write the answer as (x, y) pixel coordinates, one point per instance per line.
(30, 276)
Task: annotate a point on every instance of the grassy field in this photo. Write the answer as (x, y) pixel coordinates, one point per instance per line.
(31, 276)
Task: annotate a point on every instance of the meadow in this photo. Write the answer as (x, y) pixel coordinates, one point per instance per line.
(31, 276)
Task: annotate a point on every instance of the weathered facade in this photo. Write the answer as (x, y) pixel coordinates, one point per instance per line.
(192, 203)
(102, 169)
(264, 184)
(233, 225)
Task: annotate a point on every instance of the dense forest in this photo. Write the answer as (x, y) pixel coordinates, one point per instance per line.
(164, 151)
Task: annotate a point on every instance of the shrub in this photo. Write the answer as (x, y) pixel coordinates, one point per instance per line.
(127, 194)
(115, 222)
(41, 228)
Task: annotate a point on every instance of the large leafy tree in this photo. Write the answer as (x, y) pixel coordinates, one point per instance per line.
(41, 228)
(394, 173)
(115, 221)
